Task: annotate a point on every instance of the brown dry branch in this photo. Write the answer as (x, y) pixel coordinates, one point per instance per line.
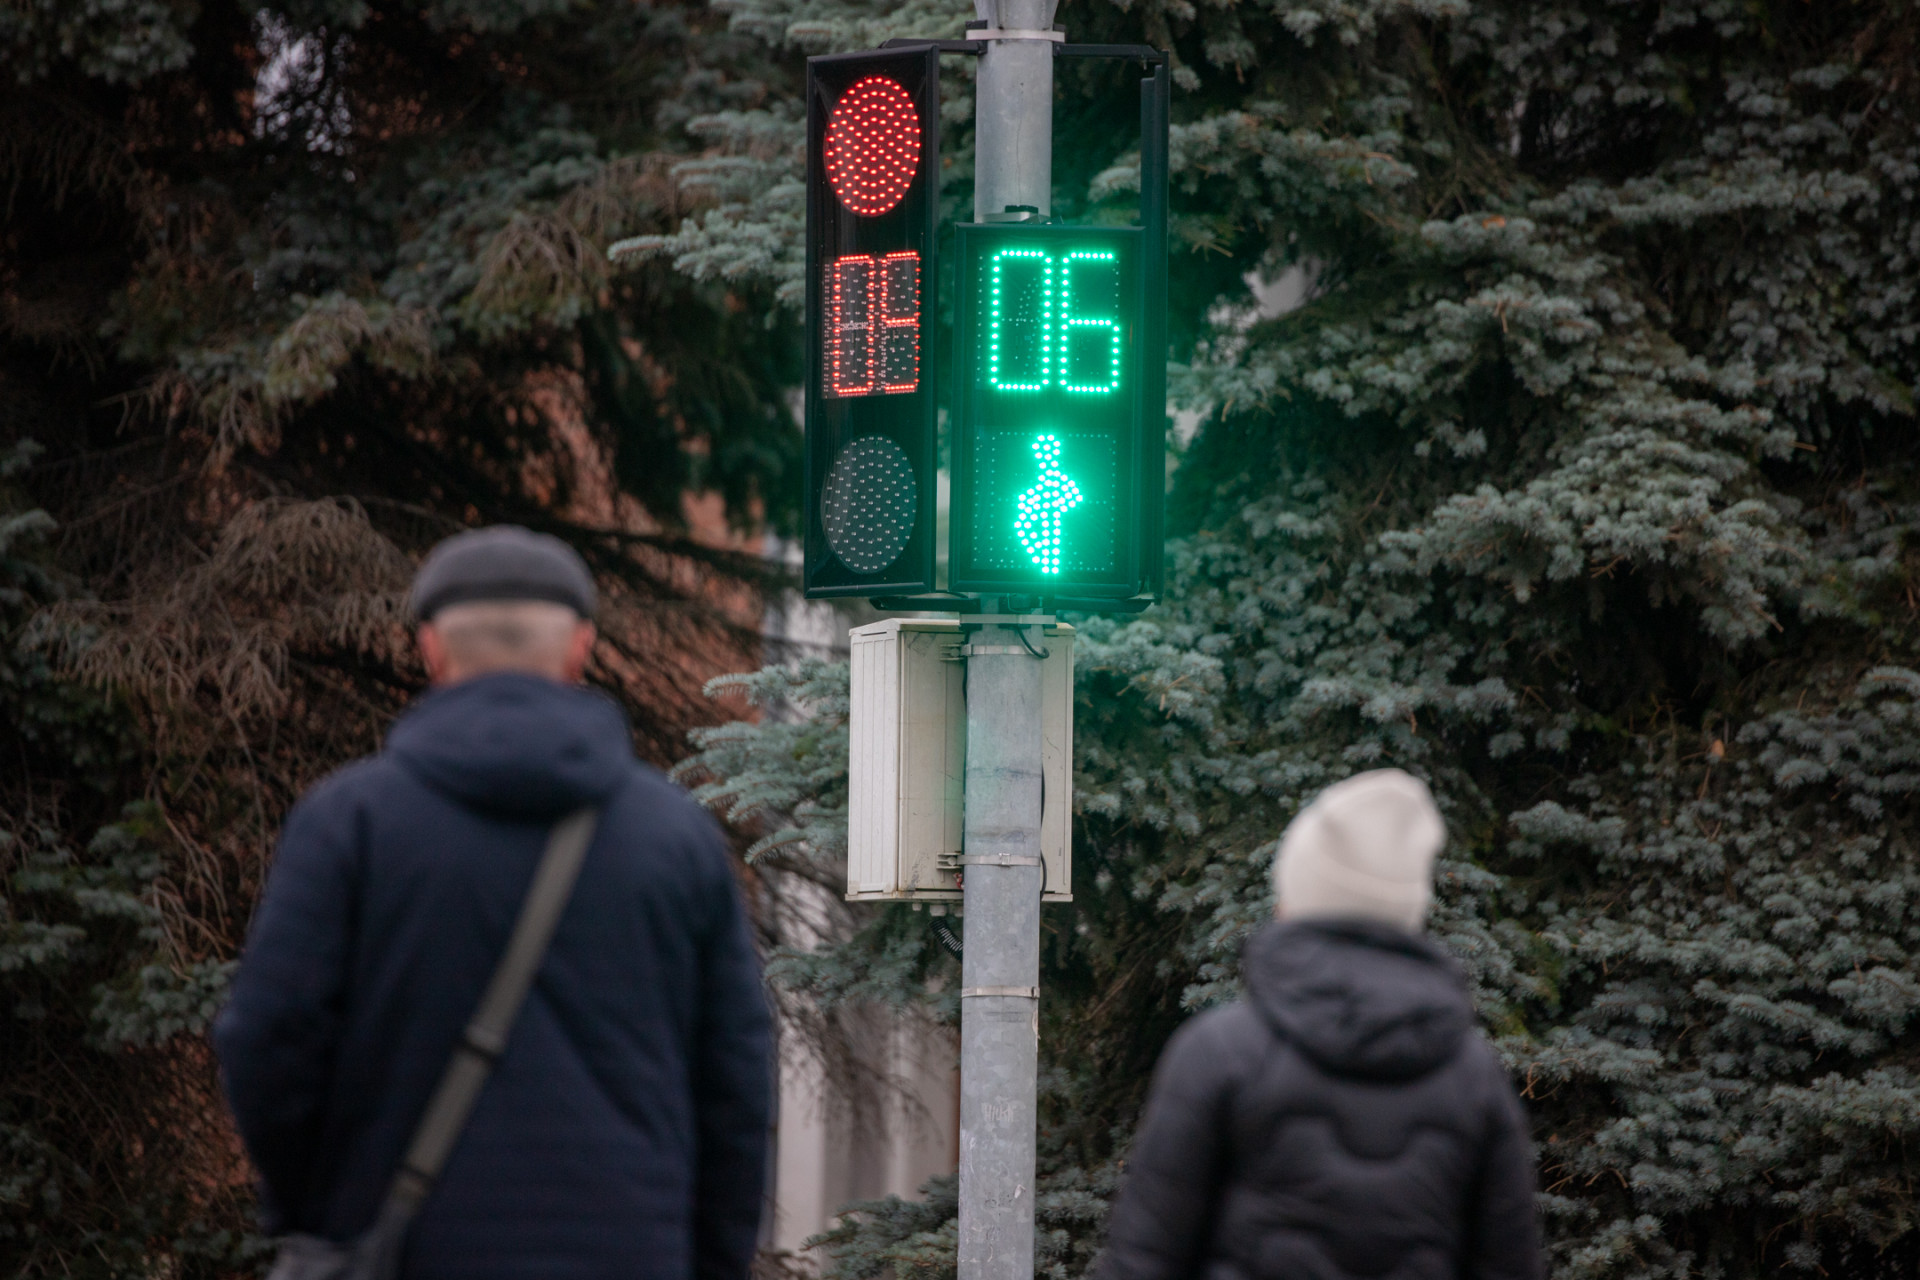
(284, 577)
(629, 192)
(60, 150)
(537, 266)
(242, 664)
(305, 360)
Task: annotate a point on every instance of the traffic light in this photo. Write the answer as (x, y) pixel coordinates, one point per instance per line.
(1048, 473)
(873, 161)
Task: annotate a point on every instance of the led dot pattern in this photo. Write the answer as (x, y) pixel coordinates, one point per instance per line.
(872, 146)
(1051, 439)
(1051, 321)
(1019, 320)
(1042, 506)
(873, 324)
(1090, 346)
(868, 503)
(1006, 467)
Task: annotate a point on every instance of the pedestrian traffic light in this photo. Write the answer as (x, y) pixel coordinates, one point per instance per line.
(1047, 444)
(873, 161)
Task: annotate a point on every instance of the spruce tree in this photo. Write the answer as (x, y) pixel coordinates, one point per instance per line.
(288, 292)
(1583, 485)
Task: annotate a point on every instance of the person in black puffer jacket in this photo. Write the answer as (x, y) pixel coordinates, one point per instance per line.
(1346, 1119)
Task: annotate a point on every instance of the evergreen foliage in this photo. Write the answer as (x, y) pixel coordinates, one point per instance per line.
(288, 292)
(1583, 485)
(103, 998)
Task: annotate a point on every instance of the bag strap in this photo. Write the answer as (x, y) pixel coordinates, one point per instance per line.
(486, 1035)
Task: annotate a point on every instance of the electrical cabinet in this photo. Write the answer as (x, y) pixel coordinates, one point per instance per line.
(907, 766)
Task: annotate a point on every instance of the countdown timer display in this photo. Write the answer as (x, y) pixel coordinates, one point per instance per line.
(1048, 409)
(872, 170)
(872, 329)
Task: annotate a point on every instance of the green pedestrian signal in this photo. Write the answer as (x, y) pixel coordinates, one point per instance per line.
(1048, 415)
(1043, 506)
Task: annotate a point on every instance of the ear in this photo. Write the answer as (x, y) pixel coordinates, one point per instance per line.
(579, 650)
(433, 652)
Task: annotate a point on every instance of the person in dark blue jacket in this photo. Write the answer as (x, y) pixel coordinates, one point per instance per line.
(624, 1130)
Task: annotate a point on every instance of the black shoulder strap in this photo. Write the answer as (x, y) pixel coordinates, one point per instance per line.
(486, 1035)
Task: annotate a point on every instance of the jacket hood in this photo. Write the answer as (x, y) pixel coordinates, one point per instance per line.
(1361, 1000)
(519, 746)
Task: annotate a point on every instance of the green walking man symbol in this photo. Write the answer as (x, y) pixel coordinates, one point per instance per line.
(1044, 504)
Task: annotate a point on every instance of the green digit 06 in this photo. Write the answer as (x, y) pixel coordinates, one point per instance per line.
(1039, 330)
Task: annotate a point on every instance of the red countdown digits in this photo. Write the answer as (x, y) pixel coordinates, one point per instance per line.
(872, 147)
(873, 324)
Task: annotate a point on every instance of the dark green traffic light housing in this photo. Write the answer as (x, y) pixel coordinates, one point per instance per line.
(1058, 400)
(873, 173)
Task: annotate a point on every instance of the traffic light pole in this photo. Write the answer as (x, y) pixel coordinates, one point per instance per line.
(1000, 965)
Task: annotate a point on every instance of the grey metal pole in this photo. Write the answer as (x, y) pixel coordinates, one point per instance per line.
(1000, 966)
(1013, 111)
(1000, 963)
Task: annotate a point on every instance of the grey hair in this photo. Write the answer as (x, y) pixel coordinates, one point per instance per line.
(513, 634)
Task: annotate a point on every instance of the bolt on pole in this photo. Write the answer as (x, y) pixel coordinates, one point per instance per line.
(1000, 966)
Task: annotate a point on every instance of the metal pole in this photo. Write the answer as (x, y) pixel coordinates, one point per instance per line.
(1000, 965)
(1013, 111)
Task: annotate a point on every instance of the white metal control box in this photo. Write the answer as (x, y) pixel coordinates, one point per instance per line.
(907, 767)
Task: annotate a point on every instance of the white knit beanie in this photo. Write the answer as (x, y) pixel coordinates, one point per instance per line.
(1364, 849)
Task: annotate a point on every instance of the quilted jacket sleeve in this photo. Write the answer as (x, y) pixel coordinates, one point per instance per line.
(1162, 1218)
(277, 1037)
(1503, 1233)
(733, 1084)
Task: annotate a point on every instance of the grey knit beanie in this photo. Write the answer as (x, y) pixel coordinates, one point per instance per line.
(1364, 849)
